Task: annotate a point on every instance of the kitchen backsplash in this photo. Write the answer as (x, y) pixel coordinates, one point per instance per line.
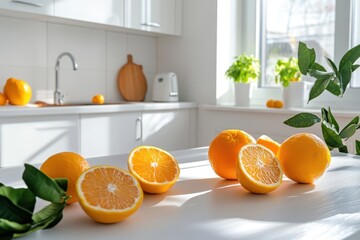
(29, 49)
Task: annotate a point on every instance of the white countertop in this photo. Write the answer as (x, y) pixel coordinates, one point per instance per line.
(34, 110)
(203, 206)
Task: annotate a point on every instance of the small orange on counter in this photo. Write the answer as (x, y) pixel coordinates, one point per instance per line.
(3, 99)
(156, 169)
(304, 157)
(67, 165)
(18, 92)
(98, 99)
(224, 150)
(269, 143)
(257, 169)
(278, 104)
(108, 194)
(270, 103)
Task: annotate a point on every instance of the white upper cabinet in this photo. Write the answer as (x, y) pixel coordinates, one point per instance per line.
(33, 6)
(110, 12)
(162, 16)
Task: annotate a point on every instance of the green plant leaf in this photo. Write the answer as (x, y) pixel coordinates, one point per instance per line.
(332, 139)
(47, 213)
(21, 197)
(332, 120)
(357, 147)
(318, 67)
(333, 88)
(343, 149)
(304, 58)
(345, 74)
(354, 67)
(43, 186)
(351, 56)
(318, 88)
(14, 227)
(312, 57)
(333, 66)
(355, 121)
(6, 235)
(348, 131)
(302, 120)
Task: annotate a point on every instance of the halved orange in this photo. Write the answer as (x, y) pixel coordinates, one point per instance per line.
(269, 143)
(258, 170)
(108, 194)
(156, 169)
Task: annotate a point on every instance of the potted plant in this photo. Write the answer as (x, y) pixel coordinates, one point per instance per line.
(288, 74)
(334, 81)
(244, 71)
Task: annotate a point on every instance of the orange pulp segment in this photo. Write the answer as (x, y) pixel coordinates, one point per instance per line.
(108, 194)
(156, 169)
(258, 170)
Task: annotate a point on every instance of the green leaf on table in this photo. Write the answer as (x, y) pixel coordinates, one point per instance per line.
(350, 57)
(345, 78)
(43, 186)
(14, 227)
(47, 213)
(12, 212)
(302, 120)
(21, 197)
(357, 147)
(304, 58)
(332, 139)
(348, 131)
(318, 87)
(62, 182)
(6, 235)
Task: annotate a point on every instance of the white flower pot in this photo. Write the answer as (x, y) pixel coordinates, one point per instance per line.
(295, 95)
(243, 93)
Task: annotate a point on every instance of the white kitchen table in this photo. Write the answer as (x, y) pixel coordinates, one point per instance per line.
(203, 206)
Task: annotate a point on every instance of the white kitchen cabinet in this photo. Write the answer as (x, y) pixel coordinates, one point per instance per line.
(162, 16)
(34, 139)
(109, 133)
(110, 12)
(33, 6)
(169, 129)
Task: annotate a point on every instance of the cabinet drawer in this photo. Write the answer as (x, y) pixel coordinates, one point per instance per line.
(34, 139)
(33, 6)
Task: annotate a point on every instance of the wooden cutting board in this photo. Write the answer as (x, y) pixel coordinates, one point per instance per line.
(131, 81)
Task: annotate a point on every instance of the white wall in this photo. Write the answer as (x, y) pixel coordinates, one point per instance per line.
(30, 48)
(193, 55)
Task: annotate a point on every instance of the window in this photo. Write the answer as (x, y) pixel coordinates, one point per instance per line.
(286, 22)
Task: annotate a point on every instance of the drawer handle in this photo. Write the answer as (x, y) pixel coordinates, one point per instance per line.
(28, 3)
(138, 129)
(151, 24)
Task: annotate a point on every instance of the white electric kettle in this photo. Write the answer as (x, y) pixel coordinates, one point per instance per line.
(165, 87)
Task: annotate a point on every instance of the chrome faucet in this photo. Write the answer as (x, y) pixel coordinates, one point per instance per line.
(58, 97)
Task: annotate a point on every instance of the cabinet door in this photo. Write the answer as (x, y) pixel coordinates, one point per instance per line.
(109, 134)
(34, 139)
(99, 11)
(153, 15)
(33, 6)
(170, 130)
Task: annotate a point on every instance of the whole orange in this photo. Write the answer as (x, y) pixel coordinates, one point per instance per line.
(304, 157)
(270, 103)
(67, 165)
(98, 99)
(3, 99)
(17, 91)
(224, 150)
(278, 104)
